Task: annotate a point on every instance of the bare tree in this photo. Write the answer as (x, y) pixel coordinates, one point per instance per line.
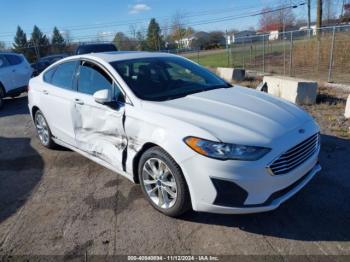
(178, 30)
(165, 29)
(329, 11)
(279, 19)
(67, 36)
(133, 30)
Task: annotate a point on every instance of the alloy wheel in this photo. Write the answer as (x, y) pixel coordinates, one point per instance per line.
(42, 129)
(159, 183)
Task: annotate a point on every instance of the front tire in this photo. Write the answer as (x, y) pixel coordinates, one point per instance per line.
(43, 130)
(163, 183)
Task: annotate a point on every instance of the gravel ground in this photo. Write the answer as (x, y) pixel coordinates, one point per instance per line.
(56, 202)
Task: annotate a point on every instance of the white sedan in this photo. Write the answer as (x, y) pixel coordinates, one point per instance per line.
(189, 138)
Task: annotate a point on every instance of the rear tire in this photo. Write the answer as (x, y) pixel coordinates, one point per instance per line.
(163, 183)
(2, 95)
(43, 130)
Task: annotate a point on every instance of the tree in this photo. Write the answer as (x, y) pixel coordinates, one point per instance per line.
(280, 20)
(57, 40)
(154, 37)
(345, 16)
(123, 42)
(329, 12)
(201, 41)
(39, 42)
(141, 41)
(216, 39)
(20, 44)
(178, 30)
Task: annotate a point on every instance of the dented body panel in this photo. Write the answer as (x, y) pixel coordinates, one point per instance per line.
(115, 137)
(99, 131)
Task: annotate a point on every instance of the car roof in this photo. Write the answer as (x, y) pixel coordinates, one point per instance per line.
(124, 55)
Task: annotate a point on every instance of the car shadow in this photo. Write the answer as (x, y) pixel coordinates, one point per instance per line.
(15, 106)
(21, 169)
(319, 212)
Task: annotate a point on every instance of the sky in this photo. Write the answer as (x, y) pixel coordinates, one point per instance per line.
(85, 20)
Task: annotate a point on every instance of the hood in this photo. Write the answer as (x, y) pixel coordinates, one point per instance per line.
(235, 115)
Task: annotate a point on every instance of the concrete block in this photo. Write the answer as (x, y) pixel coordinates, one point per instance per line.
(347, 108)
(298, 91)
(230, 74)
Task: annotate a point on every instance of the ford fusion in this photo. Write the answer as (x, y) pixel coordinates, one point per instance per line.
(187, 137)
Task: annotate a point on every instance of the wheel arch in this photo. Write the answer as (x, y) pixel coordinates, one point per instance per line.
(2, 87)
(34, 110)
(137, 157)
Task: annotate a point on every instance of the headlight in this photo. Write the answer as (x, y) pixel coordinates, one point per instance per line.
(225, 151)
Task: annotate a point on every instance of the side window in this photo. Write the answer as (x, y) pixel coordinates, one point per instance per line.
(14, 59)
(64, 75)
(48, 75)
(92, 79)
(3, 62)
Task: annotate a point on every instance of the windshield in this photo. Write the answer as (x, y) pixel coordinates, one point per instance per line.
(166, 78)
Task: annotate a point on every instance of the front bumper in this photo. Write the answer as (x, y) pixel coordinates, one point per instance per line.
(273, 202)
(237, 187)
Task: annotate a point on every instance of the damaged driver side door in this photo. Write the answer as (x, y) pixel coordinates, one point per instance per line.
(99, 129)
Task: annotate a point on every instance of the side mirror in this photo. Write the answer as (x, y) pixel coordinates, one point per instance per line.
(103, 96)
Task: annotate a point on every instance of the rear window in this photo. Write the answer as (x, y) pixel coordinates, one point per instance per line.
(3, 62)
(14, 59)
(48, 75)
(64, 75)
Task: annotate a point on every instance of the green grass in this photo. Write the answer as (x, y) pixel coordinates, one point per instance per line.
(239, 57)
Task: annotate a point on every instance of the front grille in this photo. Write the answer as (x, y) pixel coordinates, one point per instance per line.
(295, 156)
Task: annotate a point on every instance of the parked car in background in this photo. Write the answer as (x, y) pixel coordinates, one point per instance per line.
(188, 137)
(15, 72)
(95, 48)
(46, 61)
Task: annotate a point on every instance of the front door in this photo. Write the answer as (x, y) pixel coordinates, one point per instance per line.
(99, 128)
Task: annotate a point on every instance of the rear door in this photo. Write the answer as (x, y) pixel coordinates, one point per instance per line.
(99, 128)
(57, 100)
(21, 70)
(6, 74)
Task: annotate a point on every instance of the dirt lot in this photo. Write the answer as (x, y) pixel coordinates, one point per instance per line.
(59, 203)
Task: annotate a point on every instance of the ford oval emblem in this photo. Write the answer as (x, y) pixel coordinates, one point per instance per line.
(301, 131)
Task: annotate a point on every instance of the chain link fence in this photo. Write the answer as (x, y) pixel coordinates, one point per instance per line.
(318, 54)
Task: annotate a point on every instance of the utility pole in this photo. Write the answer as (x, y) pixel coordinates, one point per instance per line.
(308, 14)
(319, 14)
(319, 18)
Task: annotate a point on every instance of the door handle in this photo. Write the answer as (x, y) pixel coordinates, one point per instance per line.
(78, 101)
(14, 70)
(45, 92)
